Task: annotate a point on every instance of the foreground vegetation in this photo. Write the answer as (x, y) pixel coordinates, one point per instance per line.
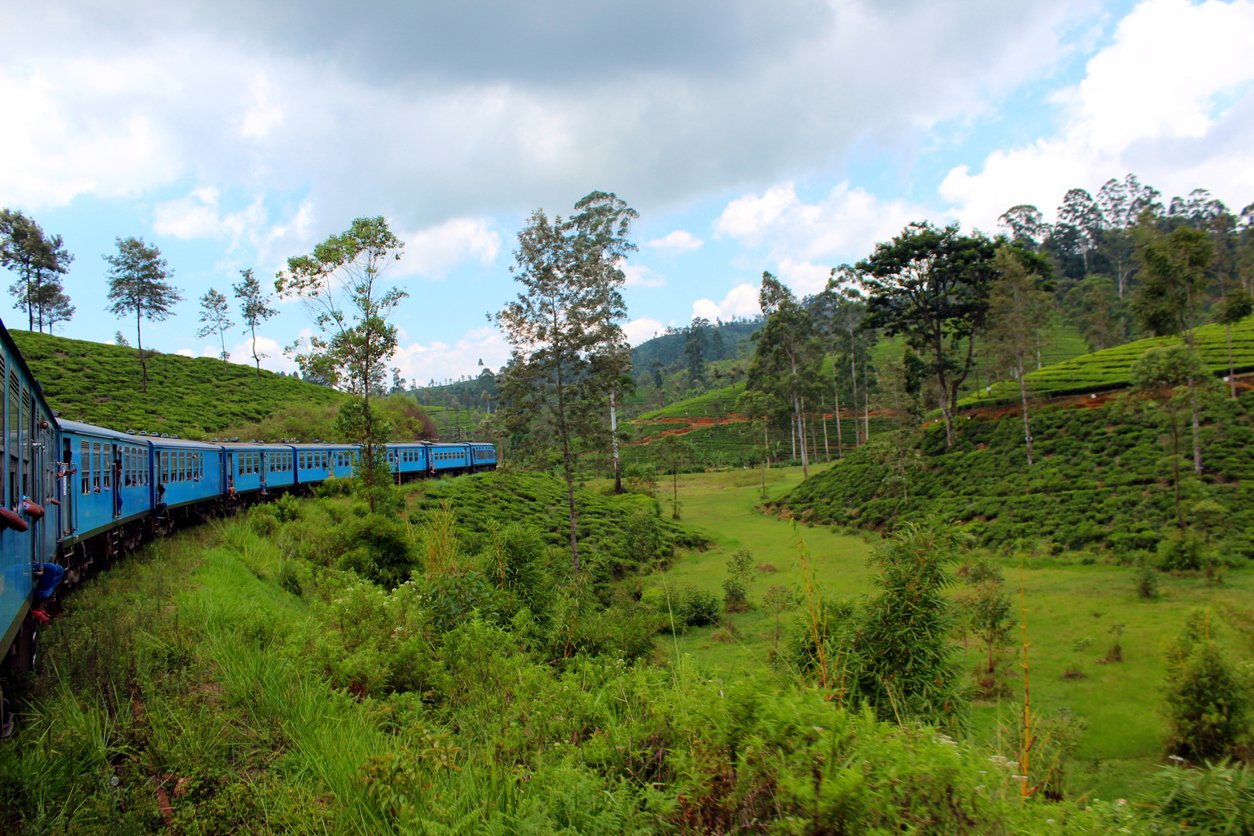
(310, 667)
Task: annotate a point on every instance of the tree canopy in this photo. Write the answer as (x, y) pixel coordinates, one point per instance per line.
(931, 285)
(39, 260)
(565, 332)
(139, 284)
(340, 282)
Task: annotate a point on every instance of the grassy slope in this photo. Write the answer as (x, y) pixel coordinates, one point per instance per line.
(195, 667)
(1111, 368)
(1071, 609)
(194, 398)
(1101, 477)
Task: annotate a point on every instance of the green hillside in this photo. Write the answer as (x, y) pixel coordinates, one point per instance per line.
(1102, 479)
(1111, 368)
(189, 397)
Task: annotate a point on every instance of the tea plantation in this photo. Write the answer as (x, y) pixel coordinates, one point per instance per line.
(1102, 479)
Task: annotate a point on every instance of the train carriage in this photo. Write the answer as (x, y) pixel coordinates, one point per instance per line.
(318, 462)
(28, 532)
(107, 483)
(450, 457)
(185, 472)
(258, 467)
(408, 460)
(482, 456)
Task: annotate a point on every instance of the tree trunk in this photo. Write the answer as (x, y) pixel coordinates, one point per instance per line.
(1232, 374)
(853, 384)
(796, 405)
(1197, 430)
(840, 440)
(139, 343)
(618, 470)
(568, 468)
(827, 448)
(256, 356)
(866, 407)
(1023, 399)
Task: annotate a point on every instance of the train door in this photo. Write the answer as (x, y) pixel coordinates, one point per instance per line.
(69, 496)
(44, 488)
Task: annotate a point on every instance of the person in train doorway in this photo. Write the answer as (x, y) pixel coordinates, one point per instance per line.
(160, 497)
(117, 487)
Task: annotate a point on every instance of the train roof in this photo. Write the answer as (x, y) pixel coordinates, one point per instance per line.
(324, 445)
(83, 428)
(254, 445)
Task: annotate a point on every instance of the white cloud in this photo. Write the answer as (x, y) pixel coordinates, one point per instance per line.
(751, 217)
(640, 275)
(804, 240)
(55, 148)
(422, 362)
(428, 123)
(434, 251)
(804, 277)
(679, 241)
(740, 301)
(185, 352)
(273, 357)
(642, 330)
(193, 216)
(1168, 100)
(263, 116)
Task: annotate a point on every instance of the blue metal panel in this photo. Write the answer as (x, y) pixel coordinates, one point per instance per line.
(318, 462)
(450, 456)
(184, 472)
(408, 458)
(28, 451)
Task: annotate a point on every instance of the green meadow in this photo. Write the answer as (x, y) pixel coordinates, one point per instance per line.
(1071, 609)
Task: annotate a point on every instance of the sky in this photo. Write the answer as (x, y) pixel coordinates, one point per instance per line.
(788, 136)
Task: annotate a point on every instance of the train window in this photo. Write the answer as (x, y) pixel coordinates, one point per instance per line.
(13, 439)
(84, 466)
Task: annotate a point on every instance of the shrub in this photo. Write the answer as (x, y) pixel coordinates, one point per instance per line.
(1146, 579)
(1206, 703)
(377, 548)
(1216, 798)
(698, 608)
(735, 588)
(449, 600)
(1181, 551)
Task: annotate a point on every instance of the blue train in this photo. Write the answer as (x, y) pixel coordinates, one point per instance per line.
(77, 494)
